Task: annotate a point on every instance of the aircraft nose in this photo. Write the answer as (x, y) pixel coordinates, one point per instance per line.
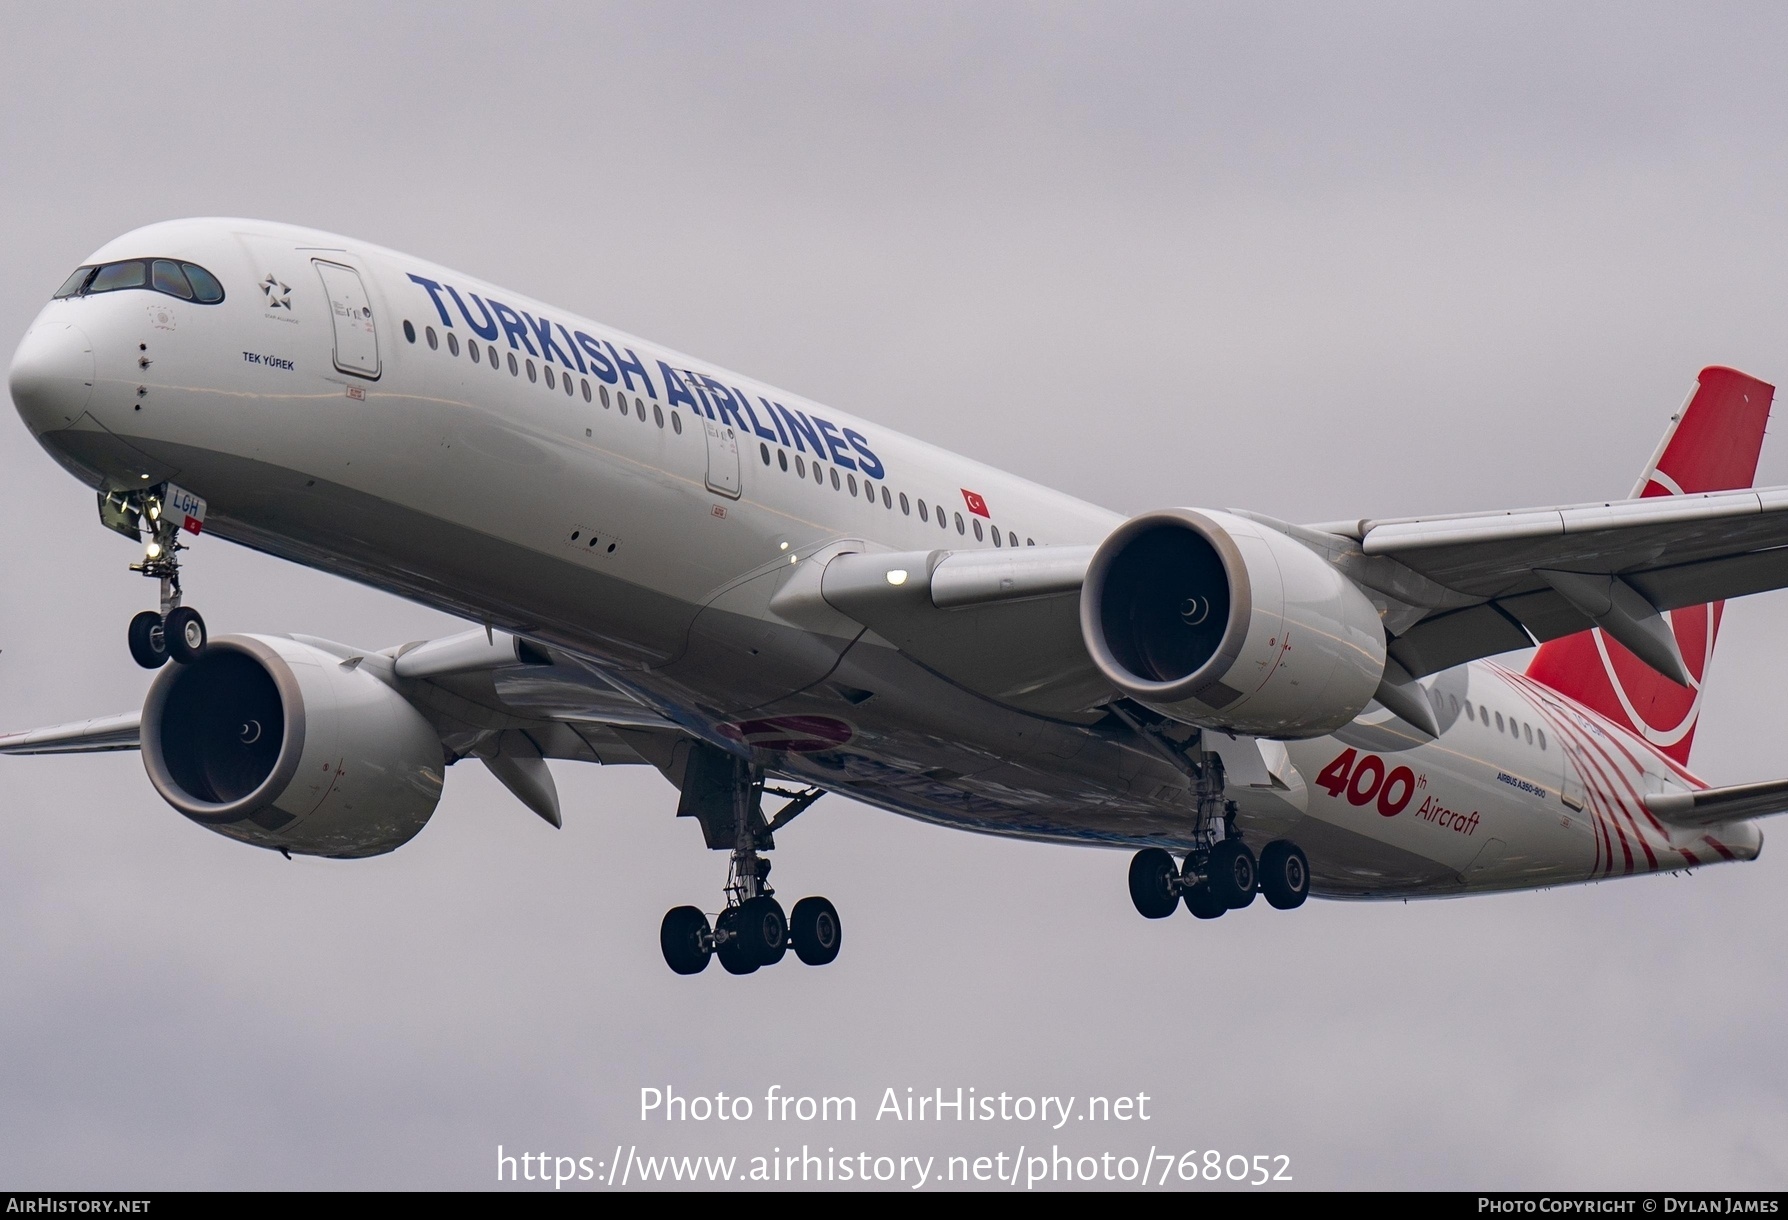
(52, 376)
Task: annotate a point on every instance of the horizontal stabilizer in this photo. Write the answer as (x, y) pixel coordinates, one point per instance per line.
(81, 737)
(1715, 806)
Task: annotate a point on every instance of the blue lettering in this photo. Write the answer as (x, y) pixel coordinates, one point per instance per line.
(434, 294)
(674, 389)
(745, 401)
(799, 423)
(599, 363)
(513, 326)
(543, 331)
(489, 329)
(835, 443)
(780, 434)
(693, 380)
(571, 347)
(631, 363)
(872, 465)
(729, 410)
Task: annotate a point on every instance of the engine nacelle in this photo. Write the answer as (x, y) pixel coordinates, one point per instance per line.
(1220, 622)
(282, 745)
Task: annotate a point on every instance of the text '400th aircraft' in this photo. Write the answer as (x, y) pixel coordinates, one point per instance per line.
(758, 595)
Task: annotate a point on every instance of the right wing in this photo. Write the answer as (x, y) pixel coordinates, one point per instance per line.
(1717, 806)
(1484, 583)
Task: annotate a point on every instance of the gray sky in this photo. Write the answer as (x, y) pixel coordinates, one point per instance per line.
(1318, 261)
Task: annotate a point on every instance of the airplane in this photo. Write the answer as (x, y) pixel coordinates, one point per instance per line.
(672, 565)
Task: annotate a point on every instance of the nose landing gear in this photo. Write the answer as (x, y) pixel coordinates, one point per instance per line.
(753, 931)
(174, 632)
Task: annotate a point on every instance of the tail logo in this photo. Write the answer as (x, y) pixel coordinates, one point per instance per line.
(1659, 710)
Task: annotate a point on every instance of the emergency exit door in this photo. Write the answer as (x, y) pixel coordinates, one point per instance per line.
(356, 335)
(723, 458)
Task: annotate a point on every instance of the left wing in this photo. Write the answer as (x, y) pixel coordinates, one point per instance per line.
(81, 737)
(491, 696)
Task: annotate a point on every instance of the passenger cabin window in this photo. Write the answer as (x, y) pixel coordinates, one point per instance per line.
(452, 344)
(188, 281)
(409, 331)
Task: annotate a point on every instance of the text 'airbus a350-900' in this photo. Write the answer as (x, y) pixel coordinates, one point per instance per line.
(763, 597)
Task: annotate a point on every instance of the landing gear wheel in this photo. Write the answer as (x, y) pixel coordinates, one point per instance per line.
(1233, 873)
(813, 930)
(1198, 896)
(1204, 904)
(1154, 883)
(764, 929)
(148, 643)
(184, 631)
(686, 940)
(1284, 874)
(730, 946)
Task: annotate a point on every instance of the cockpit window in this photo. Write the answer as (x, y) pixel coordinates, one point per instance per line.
(167, 277)
(188, 281)
(205, 288)
(74, 283)
(115, 277)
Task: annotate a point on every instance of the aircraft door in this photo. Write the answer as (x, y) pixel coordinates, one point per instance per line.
(356, 336)
(723, 459)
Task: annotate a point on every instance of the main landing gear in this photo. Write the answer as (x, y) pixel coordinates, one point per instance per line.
(1223, 877)
(752, 931)
(1220, 873)
(174, 632)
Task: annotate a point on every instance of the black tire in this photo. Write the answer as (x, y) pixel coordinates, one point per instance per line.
(729, 945)
(148, 644)
(1154, 883)
(764, 929)
(1284, 874)
(1234, 875)
(1204, 904)
(814, 931)
(684, 937)
(184, 631)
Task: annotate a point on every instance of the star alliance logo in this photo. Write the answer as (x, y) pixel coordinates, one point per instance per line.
(279, 296)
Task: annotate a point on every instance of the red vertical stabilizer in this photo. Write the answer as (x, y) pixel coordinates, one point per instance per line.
(1711, 445)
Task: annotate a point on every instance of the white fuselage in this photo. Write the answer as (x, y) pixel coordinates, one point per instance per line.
(643, 509)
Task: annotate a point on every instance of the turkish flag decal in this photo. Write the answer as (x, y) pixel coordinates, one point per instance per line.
(976, 504)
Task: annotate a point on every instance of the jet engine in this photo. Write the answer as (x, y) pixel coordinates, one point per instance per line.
(282, 745)
(1218, 621)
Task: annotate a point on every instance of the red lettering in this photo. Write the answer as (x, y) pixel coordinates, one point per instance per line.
(1333, 779)
(1391, 806)
(1372, 768)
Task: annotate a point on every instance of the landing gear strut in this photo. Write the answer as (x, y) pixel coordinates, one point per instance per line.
(174, 632)
(752, 931)
(1220, 873)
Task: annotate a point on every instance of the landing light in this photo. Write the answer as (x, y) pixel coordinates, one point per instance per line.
(153, 550)
(897, 576)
